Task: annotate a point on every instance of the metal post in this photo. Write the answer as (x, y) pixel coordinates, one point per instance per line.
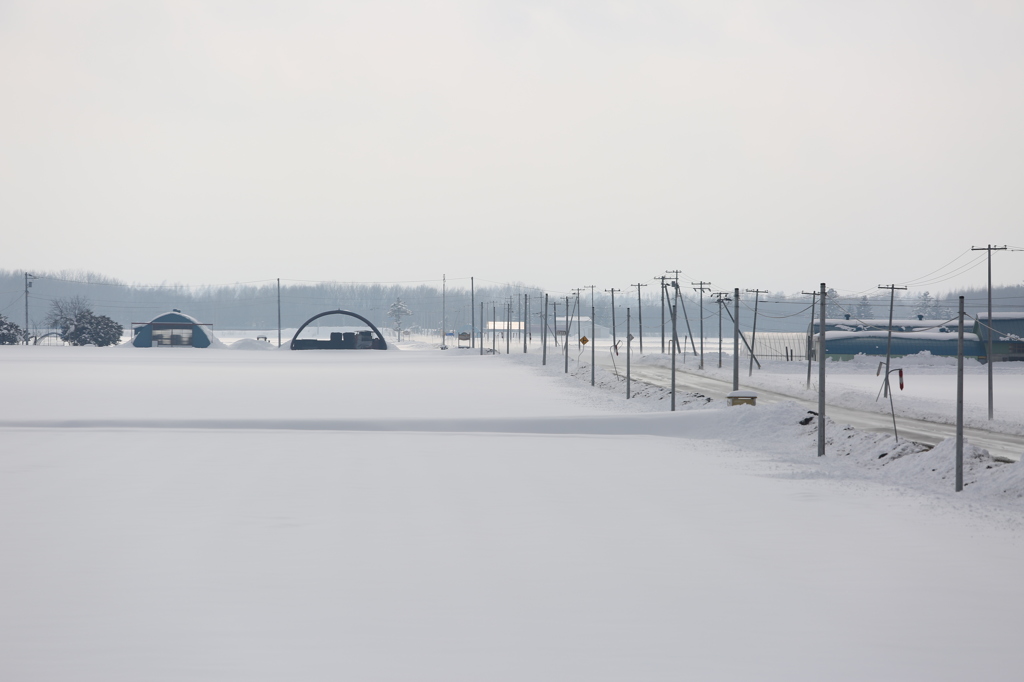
(629, 339)
(494, 326)
(481, 327)
(544, 333)
(888, 339)
(960, 400)
(821, 376)
(472, 311)
(593, 343)
(508, 327)
(444, 313)
(278, 312)
(736, 340)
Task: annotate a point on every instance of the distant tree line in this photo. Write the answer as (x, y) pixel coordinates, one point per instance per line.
(254, 306)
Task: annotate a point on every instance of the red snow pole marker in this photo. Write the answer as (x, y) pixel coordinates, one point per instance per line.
(901, 379)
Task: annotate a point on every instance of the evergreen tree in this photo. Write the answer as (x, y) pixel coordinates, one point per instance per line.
(833, 309)
(398, 310)
(864, 309)
(926, 306)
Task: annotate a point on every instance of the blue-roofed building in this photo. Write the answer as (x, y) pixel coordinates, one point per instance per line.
(1007, 331)
(845, 338)
(171, 329)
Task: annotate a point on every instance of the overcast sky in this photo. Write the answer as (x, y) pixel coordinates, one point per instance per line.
(763, 144)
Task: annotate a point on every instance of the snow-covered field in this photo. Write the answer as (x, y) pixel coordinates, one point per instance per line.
(174, 514)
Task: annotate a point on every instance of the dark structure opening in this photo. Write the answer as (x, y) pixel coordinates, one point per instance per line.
(341, 337)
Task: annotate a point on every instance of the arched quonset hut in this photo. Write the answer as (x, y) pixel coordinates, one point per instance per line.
(341, 336)
(171, 329)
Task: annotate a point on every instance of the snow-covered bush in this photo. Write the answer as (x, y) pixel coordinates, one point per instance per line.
(79, 326)
(10, 333)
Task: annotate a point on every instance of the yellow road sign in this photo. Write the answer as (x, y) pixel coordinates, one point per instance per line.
(584, 340)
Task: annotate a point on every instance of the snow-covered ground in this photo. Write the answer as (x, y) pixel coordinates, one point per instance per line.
(929, 385)
(423, 515)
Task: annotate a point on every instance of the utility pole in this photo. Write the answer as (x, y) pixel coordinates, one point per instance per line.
(278, 312)
(472, 311)
(719, 297)
(629, 339)
(508, 327)
(640, 315)
(675, 296)
(699, 287)
(554, 318)
(568, 327)
(593, 344)
(672, 308)
(991, 330)
(960, 400)
(686, 318)
(888, 339)
(810, 334)
(612, 291)
(526, 318)
(753, 333)
(821, 375)
(736, 340)
(444, 313)
(544, 334)
(481, 327)
(576, 308)
(28, 285)
(662, 313)
(494, 326)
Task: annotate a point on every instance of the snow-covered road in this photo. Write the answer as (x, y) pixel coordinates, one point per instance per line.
(212, 515)
(1004, 445)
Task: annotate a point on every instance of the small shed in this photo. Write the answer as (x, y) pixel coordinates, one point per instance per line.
(171, 329)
